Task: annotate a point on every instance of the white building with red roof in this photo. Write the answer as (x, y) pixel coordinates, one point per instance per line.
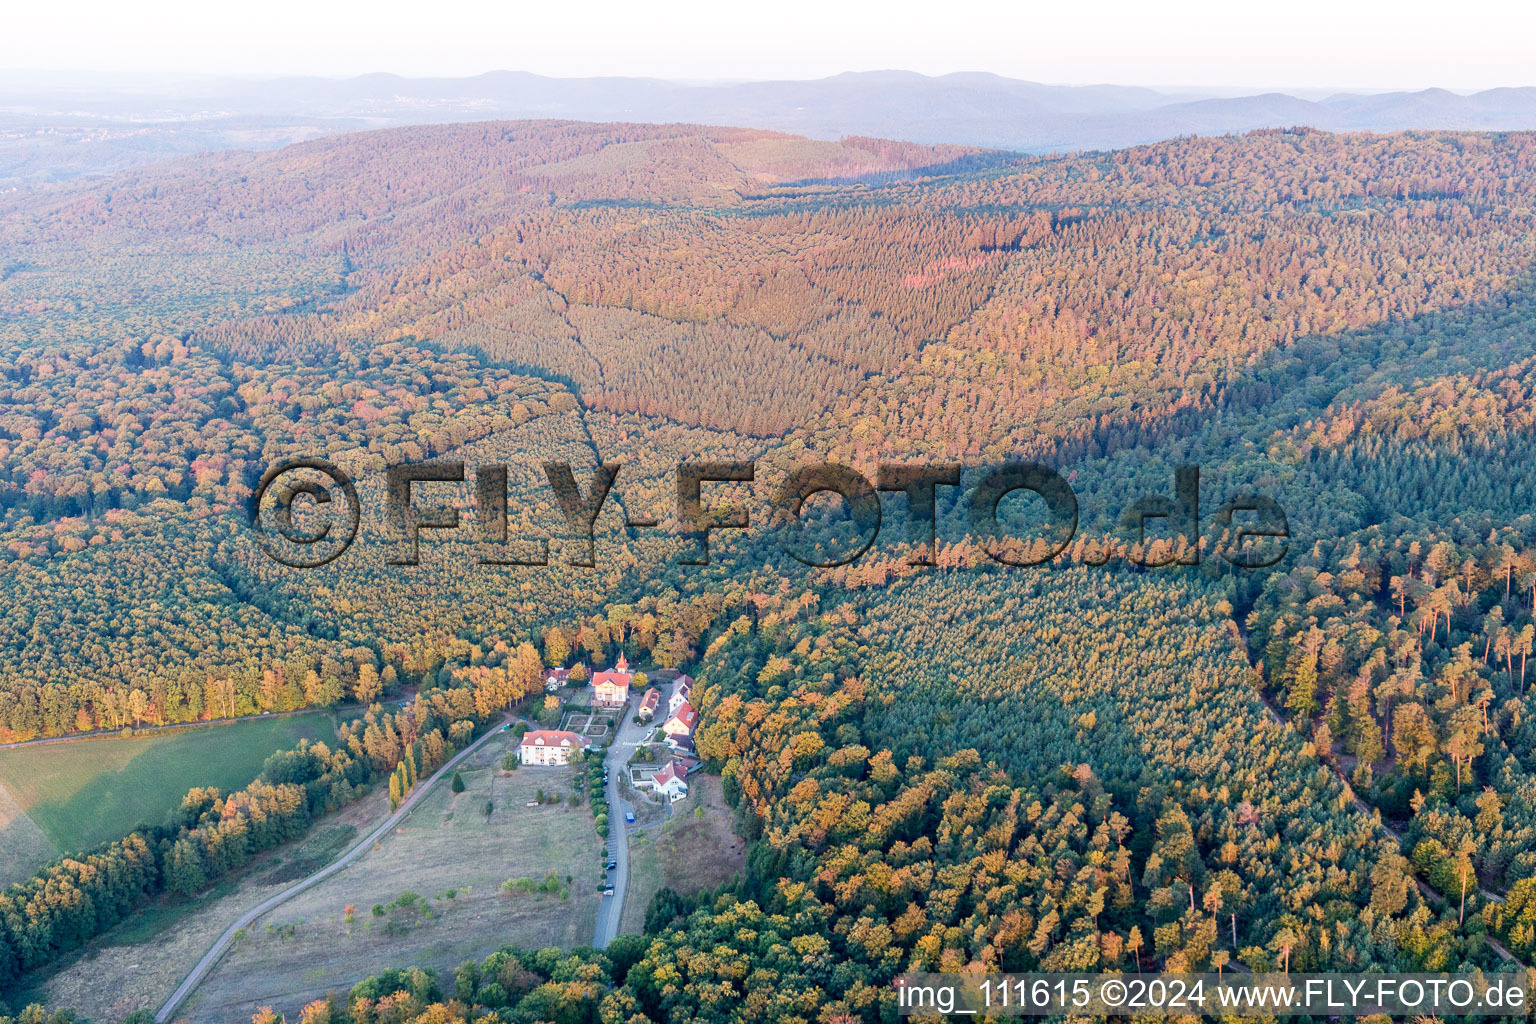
(611, 689)
(648, 704)
(682, 722)
(549, 746)
(682, 693)
(670, 782)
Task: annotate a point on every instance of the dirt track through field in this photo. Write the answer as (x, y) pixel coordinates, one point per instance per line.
(24, 847)
(211, 958)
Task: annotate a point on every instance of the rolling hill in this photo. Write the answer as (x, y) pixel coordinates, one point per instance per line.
(48, 133)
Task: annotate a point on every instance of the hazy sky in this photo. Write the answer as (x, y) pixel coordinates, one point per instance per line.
(1470, 44)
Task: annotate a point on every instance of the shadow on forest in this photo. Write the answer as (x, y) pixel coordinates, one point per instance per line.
(1292, 384)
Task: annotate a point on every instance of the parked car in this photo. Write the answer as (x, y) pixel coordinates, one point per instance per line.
(608, 891)
(629, 817)
(613, 865)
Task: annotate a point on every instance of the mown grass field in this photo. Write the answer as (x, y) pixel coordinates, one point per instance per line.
(83, 793)
(436, 881)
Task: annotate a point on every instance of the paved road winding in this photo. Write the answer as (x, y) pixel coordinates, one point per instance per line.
(219, 948)
(618, 760)
(612, 907)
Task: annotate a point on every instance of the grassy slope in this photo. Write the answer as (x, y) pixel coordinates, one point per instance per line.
(88, 792)
(306, 947)
(687, 853)
(23, 846)
(141, 962)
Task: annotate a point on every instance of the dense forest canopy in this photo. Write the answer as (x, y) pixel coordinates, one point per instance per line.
(1074, 766)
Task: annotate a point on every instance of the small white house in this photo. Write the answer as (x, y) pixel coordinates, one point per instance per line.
(669, 782)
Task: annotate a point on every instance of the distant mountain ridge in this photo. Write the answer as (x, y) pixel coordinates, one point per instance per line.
(49, 133)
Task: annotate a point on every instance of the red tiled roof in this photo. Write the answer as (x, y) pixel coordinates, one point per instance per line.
(685, 716)
(667, 774)
(551, 738)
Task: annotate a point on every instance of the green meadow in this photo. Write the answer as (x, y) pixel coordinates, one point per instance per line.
(75, 795)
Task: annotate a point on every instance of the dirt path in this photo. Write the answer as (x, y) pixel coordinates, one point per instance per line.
(1397, 835)
(210, 958)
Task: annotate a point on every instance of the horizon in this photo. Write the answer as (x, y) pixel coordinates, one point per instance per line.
(170, 113)
(1316, 44)
(83, 79)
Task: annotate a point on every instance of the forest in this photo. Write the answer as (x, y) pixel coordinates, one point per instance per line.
(1088, 764)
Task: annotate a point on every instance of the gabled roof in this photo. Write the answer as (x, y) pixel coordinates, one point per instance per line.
(650, 699)
(684, 716)
(551, 738)
(619, 675)
(669, 773)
